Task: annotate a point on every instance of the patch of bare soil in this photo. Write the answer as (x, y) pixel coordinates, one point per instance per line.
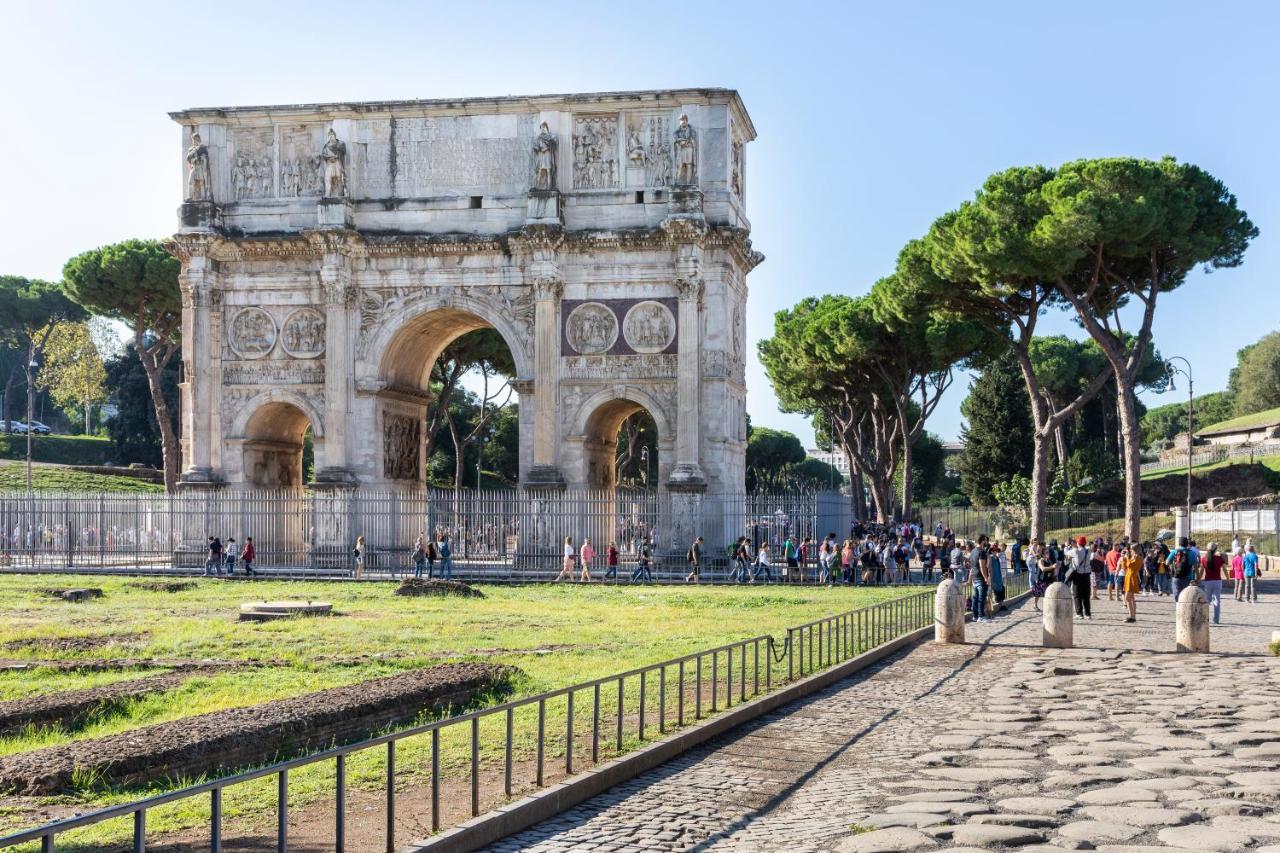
(164, 586)
(81, 594)
(81, 643)
(436, 586)
(222, 741)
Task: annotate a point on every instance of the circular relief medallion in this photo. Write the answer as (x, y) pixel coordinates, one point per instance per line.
(592, 328)
(649, 327)
(253, 333)
(303, 333)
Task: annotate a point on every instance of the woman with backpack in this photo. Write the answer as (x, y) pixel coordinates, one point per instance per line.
(1182, 567)
(419, 556)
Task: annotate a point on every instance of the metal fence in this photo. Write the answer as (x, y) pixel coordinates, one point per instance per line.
(1259, 524)
(1173, 464)
(971, 521)
(595, 721)
(494, 534)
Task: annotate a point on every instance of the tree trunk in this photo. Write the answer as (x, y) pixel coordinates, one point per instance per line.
(86, 417)
(1039, 484)
(8, 399)
(153, 363)
(882, 498)
(907, 483)
(457, 454)
(1131, 435)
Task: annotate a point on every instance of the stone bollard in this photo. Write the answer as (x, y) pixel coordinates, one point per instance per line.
(1192, 633)
(948, 613)
(1059, 630)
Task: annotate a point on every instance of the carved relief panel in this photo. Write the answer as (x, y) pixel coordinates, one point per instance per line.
(252, 333)
(252, 162)
(649, 327)
(595, 152)
(300, 161)
(401, 445)
(303, 333)
(592, 328)
(648, 148)
(618, 327)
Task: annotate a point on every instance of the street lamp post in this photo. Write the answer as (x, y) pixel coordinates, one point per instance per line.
(31, 400)
(1191, 396)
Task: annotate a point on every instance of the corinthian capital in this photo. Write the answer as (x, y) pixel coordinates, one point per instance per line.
(548, 288)
(690, 289)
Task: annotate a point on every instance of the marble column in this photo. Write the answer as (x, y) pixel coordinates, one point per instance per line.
(544, 472)
(201, 308)
(687, 474)
(339, 301)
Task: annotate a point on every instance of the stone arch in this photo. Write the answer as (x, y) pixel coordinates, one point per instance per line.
(595, 428)
(403, 346)
(272, 430)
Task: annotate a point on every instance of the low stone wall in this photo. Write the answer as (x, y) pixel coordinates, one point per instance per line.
(69, 706)
(222, 741)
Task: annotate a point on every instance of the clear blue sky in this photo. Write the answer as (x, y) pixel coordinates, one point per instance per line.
(873, 118)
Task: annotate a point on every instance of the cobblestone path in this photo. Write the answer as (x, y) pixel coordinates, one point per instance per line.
(1118, 745)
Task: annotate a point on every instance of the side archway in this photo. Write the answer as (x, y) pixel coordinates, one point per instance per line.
(271, 431)
(594, 429)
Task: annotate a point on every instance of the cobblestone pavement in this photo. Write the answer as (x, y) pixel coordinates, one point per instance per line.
(1118, 745)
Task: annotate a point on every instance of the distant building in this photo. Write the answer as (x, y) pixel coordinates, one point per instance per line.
(1248, 429)
(834, 458)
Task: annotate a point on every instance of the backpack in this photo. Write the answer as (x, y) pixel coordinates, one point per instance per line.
(732, 550)
(1182, 565)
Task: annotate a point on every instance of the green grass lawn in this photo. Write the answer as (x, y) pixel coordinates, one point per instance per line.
(59, 449)
(555, 634)
(55, 478)
(1270, 462)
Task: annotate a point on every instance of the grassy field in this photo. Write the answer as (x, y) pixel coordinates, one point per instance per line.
(1113, 529)
(555, 635)
(56, 478)
(59, 449)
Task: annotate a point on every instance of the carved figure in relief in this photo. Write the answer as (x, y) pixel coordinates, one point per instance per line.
(735, 179)
(401, 442)
(239, 179)
(595, 162)
(544, 159)
(198, 183)
(635, 149)
(649, 327)
(592, 328)
(253, 333)
(685, 144)
(303, 333)
(265, 182)
(334, 155)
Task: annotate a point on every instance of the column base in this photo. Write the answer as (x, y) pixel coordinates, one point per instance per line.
(199, 216)
(544, 478)
(200, 478)
(335, 213)
(686, 477)
(334, 478)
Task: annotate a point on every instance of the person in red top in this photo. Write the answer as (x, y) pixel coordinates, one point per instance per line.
(1211, 563)
(247, 555)
(1114, 592)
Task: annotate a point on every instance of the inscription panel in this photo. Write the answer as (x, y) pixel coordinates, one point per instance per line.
(369, 159)
(278, 372)
(463, 154)
(619, 366)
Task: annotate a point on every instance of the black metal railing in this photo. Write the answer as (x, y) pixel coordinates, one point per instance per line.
(625, 708)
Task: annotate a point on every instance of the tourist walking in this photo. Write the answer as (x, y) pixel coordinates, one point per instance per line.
(446, 557)
(995, 564)
(1182, 564)
(981, 570)
(741, 561)
(358, 554)
(1112, 560)
(568, 565)
(1251, 569)
(586, 555)
(1077, 574)
(213, 556)
(1131, 566)
(763, 564)
(1237, 570)
(611, 561)
(1211, 580)
(248, 556)
(644, 558)
(420, 555)
(791, 553)
(957, 563)
(694, 558)
(233, 554)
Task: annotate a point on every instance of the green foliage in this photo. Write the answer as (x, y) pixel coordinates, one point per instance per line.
(1255, 381)
(1093, 464)
(769, 454)
(1164, 422)
(58, 449)
(636, 451)
(502, 450)
(133, 430)
(928, 470)
(135, 281)
(998, 432)
(813, 474)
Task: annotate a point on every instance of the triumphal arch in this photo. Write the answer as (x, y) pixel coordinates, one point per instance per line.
(331, 251)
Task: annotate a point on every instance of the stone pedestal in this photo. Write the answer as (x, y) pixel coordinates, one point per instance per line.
(948, 613)
(335, 213)
(544, 208)
(198, 507)
(1058, 631)
(199, 216)
(685, 202)
(1181, 523)
(1192, 621)
(333, 531)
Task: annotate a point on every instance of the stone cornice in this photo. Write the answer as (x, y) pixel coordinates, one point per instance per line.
(318, 242)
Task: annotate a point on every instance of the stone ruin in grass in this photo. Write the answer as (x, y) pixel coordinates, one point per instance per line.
(436, 586)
